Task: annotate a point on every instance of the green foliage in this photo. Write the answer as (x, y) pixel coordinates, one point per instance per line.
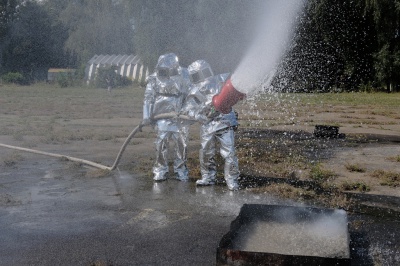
(13, 77)
(27, 46)
(369, 87)
(339, 45)
(331, 50)
(384, 25)
(355, 168)
(97, 27)
(107, 77)
(68, 78)
(359, 186)
(193, 30)
(320, 175)
(387, 178)
(64, 80)
(8, 10)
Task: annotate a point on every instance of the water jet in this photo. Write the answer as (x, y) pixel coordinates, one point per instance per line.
(258, 66)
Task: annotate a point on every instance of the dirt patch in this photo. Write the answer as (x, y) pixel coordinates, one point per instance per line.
(88, 216)
(351, 159)
(275, 137)
(8, 200)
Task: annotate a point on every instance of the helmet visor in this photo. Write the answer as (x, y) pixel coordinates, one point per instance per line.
(200, 75)
(206, 73)
(195, 77)
(164, 72)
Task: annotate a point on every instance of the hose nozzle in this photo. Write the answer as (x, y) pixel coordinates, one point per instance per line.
(227, 98)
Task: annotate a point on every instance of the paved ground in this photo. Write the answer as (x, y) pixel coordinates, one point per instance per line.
(49, 217)
(57, 213)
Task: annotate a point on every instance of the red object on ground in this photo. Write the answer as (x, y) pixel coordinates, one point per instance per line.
(227, 98)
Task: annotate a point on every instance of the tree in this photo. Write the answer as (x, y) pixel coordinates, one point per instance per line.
(221, 40)
(216, 31)
(97, 27)
(27, 46)
(339, 44)
(8, 11)
(7, 14)
(333, 48)
(386, 18)
(60, 58)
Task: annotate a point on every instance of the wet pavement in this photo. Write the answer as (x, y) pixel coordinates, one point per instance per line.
(54, 213)
(51, 215)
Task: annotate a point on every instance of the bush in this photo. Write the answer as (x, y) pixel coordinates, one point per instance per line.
(13, 77)
(63, 80)
(360, 186)
(320, 175)
(106, 77)
(68, 79)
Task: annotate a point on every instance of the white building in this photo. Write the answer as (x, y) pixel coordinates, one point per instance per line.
(129, 66)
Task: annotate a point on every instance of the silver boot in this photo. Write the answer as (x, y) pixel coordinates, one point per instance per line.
(205, 182)
(232, 184)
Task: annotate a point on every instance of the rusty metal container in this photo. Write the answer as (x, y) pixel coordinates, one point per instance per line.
(286, 235)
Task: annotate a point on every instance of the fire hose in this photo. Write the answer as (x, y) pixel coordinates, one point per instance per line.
(121, 151)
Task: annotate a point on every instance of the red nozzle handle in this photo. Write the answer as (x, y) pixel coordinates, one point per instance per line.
(227, 98)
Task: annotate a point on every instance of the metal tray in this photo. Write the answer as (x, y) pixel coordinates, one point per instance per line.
(286, 235)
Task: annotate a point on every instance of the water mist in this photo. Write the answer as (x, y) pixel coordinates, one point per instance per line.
(273, 35)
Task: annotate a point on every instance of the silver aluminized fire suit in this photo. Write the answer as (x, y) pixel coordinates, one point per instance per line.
(165, 91)
(215, 126)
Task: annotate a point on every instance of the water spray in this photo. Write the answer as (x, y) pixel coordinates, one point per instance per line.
(264, 54)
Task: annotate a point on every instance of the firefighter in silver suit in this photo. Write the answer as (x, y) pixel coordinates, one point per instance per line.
(165, 91)
(215, 127)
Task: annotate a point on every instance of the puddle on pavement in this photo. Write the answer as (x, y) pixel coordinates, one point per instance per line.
(185, 195)
(48, 199)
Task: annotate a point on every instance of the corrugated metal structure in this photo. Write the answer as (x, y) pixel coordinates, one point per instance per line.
(129, 66)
